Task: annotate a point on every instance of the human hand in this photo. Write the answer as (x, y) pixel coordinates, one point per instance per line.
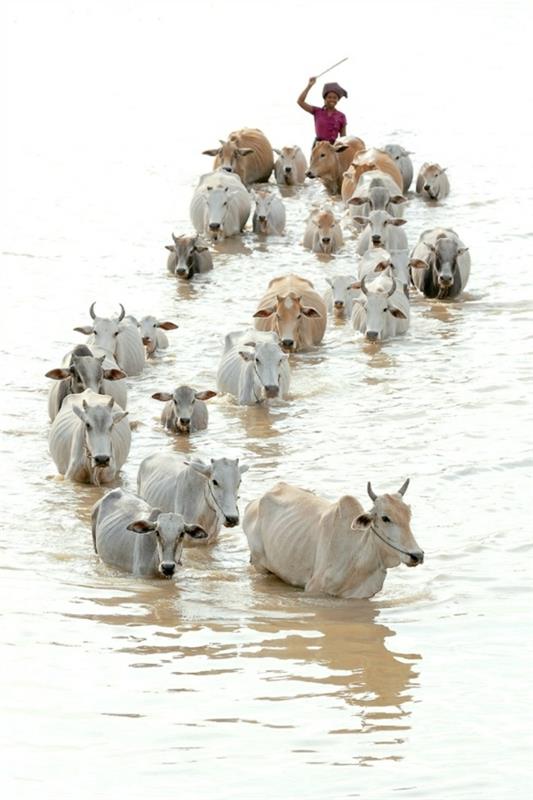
(312, 81)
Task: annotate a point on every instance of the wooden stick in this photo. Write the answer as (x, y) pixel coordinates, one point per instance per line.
(330, 68)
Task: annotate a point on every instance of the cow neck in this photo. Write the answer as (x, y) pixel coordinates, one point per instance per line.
(387, 542)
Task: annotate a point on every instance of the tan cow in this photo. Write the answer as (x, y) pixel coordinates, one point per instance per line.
(323, 233)
(330, 161)
(432, 182)
(294, 310)
(366, 161)
(330, 548)
(246, 152)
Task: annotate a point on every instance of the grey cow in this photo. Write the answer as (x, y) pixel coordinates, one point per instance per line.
(188, 257)
(81, 371)
(204, 493)
(131, 535)
(185, 410)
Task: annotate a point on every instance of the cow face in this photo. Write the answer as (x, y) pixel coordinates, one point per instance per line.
(170, 531)
(288, 316)
(98, 421)
(223, 477)
(267, 359)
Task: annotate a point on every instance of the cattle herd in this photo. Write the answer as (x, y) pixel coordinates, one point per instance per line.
(336, 548)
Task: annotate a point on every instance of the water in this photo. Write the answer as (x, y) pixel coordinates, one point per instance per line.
(226, 682)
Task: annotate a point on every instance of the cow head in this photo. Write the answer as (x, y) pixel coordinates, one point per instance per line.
(288, 315)
(103, 331)
(169, 530)
(183, 403)
(223, 478)
(186, 250)
(267, 359)
(378, 304)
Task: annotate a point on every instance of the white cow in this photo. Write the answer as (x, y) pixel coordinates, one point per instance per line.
(404, 163)
(81, 370)
(269, 213)
(188, 256)
(253, 367)
(432, 182)
(204, 494)
(381, 231)
(443, 263)
(376, 191)
(323, 233)
(220, 206)
(290, 166)
(118, 339)
(382, 310)
(131, 535)
(378, 259)
(152, 334)
(330, 548)
(340, 295)
(90, 438)
(184, 411)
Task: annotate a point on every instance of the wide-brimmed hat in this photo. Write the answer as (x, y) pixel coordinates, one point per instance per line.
(334, 87)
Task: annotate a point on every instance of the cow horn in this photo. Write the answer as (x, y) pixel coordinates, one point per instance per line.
(365, 291)
(371, 493)
(122, 313)
(174, 239)
(91, 310)
(111, 402)
(393, 289)
(404, 487)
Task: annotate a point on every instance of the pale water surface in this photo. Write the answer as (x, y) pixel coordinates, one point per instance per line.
(225, 683)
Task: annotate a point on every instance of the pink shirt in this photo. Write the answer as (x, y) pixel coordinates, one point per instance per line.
(328, 125)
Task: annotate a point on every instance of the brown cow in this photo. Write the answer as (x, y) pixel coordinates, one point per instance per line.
(294, 310)
(365, 161)
(330, 161)
(248, 153)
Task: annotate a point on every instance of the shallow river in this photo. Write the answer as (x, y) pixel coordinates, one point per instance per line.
(225, 682)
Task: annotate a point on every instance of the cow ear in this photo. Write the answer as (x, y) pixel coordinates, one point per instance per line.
(114, 374)
(275, 150)
(396, 312)
(246, 355)
(205, 395)
(170, 247)
(199, 466)
(382, 266)
(213, 152)
(396, 221)
(330, 282)
(340, 148)
(462, 250)
(361, 220)
(141, 526)
(245, 151)
(356, 201)
(362, 521)
(418, 263)
(163, 396)
(58, 374)
(398, 198)
(86, 329)
(355, 285)
(118, 416)
(309, 311)
(167, 326)
(79, 413)
(195, 532)
(265, 312)
(243, 468)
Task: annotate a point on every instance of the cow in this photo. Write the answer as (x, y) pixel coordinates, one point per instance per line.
(204, 493)
(118, 339)
(395, 262)
(401, 156)
(382, 310)
(323, 233)
(185, 410)
(330, 161)
(131, 535)
(381, 230)
(253, 367)
(269, 213)
(432, 182)
(188, 257)
(152, 334)
(369, 161)
(340, 295)
(90, 438)
(440, 264)
(294, 311)
(333, 548)
(220, 205)
(246, 152)
(81, 371)
(290, 166)
(376, 191)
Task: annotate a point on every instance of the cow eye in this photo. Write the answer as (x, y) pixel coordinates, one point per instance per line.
(385, 518)
(257, 361)
(215, 483)
(322, 155)
(88, 426)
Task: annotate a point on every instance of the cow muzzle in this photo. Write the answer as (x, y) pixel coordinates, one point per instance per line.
(372, 336)
(288, 170)
(339, 304)
(310, 174)
(230, 522)
(214, 226)
(182, 272)
(271, 391)
(287, 344)
(184, 424)
(227, 169)
(376, 240)
(167, 568)
(416, 557)
(101, 461)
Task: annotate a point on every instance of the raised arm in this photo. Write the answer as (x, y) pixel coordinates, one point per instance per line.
(301, 99)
